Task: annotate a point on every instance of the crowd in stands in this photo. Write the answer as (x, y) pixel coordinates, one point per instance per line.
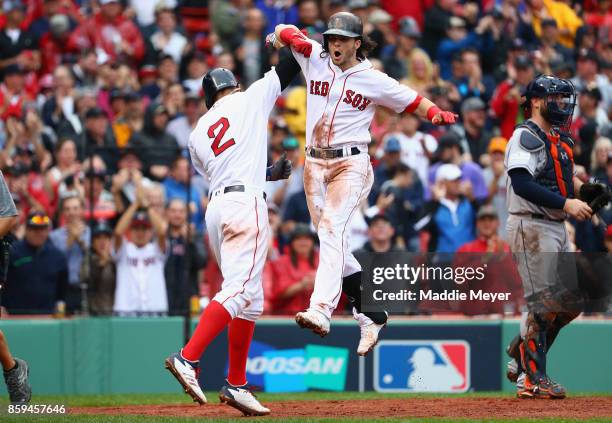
(98, 98)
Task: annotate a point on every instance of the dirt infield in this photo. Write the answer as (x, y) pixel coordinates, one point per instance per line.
(579, 407)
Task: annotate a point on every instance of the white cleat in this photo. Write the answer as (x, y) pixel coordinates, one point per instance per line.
(369, 338)
(313, 320)
(186, 372)
(241, 398)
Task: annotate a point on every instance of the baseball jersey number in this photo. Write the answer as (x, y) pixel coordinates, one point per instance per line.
(216, 146)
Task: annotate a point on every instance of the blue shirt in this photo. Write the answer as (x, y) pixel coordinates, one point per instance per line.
(454, 229)
(175, 189)
(37, 279)
(74, 254)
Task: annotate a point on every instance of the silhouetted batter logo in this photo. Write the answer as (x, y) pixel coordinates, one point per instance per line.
(422, 366)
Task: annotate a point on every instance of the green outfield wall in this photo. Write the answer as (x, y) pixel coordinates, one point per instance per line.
(125, 355)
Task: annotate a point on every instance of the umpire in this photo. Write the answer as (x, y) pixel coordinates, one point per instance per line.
(540, 196)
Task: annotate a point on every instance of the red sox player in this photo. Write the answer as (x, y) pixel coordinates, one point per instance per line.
(229, 145)
(343, 92)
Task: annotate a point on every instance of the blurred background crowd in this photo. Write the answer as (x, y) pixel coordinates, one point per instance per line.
(98, 98)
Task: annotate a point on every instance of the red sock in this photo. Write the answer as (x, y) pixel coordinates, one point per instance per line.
(239, 336)
(213, 320)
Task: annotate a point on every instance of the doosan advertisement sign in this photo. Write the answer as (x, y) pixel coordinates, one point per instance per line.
(297, 370)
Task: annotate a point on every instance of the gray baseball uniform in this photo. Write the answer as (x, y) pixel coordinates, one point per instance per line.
(7, 205)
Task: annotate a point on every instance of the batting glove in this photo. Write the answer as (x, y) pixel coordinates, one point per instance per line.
(297, 40)
(280, 169)
(440, 117)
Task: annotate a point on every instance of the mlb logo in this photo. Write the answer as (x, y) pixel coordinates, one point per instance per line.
(422, 366)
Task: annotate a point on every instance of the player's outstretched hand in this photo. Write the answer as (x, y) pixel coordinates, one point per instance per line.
(577, 209)
(444, 118)
(280, 169)
(273, 41)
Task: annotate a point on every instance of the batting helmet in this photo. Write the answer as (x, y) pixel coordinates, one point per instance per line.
(560, 108)
(345, 24)
(216, 80)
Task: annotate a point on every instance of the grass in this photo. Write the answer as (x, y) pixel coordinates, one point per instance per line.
(144, 399)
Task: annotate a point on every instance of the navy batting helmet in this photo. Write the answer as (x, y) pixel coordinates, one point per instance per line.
(216, 80)
(345, 24)
(560, 97)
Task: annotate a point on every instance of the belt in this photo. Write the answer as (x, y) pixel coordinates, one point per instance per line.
(539, 217)
(234, 188)
(332, 153)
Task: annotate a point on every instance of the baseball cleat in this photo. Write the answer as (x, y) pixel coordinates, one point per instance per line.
(17, 385)
(313, 320)
(369, 338)
(544, 389)
(512, 371)
(186, 372)
(242, 399)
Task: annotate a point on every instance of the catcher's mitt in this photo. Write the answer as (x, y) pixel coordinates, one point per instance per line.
(596, 194)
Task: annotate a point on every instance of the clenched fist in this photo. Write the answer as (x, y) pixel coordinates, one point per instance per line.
(280, 169)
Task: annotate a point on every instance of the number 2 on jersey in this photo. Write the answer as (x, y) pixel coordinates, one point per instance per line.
(216, 146)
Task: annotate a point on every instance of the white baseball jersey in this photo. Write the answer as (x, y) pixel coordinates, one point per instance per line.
(141, 285)
(229, 143)
(341, 104)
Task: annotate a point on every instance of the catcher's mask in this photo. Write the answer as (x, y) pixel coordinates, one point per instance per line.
(217, 80)
(559, 96)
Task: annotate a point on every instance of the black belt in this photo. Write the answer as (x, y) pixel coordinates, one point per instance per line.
(539, 216)
(328, 153)
(235, 188)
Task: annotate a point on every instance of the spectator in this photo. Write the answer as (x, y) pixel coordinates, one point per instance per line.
(37, 273)
(281, 191)
(602, 150)
(309, 17)
(97, 138)
(407, 192)
(472, 129)
(144, 10)
(501, 274)
(166, 39)
(506, 100)
(495, 177)
(66, 165)
(13, 94)
(17, 46)
(72, 239)
(101, 279)
(154, 144)
(587, 75)
(450, 215)
(417, 148)
(567, 20)
(294, 273)
(177, 186)
(591, 121)
(550, 46)
(380, 237)
(196, 67)
(387, 167)
(381, 33)
(85, 70)
(421, 73)
(54, 46)
(186, 257)
(104, 207)
(458, 39)
(450, 151)
(129, 176)
(141, 286)
(111, 32)
(251, 51)
(473, 82)
(437, 21)
(277, 12)
(180, 127)
(397, 58)
(61, 106)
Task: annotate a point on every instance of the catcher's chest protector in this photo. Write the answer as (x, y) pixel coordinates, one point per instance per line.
(558, 173)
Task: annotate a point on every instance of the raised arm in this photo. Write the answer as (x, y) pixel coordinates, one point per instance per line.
(124, 223)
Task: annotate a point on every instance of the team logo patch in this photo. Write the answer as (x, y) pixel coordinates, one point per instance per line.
(422, 366)
(297, 370)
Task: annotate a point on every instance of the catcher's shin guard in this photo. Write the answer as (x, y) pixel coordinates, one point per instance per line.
(514, 368)
(351, 286)
(534, 347)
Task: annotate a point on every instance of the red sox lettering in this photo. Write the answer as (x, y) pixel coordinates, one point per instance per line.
(358, 101)
(319, 88)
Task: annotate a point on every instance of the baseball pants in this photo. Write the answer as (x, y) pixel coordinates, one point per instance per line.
(335, 188)
(239, 232)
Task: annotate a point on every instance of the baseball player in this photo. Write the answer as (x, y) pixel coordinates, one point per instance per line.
(541, 194)
(229, 146)
(16, 370)
(343, 92)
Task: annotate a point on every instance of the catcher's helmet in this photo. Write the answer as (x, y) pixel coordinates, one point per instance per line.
(216, 80)
(558, 110)
(345, 24)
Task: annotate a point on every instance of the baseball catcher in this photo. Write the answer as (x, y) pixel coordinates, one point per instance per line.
(542, 192)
